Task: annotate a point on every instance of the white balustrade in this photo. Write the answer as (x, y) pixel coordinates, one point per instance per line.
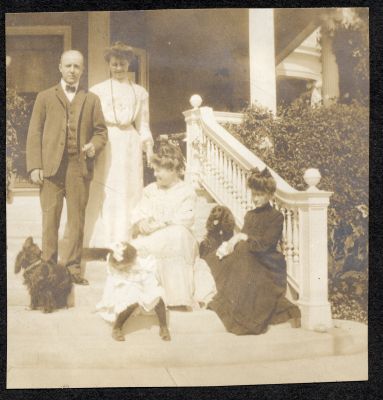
(219, 163)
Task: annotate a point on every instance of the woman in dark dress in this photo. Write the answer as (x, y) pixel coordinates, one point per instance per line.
(250, 273)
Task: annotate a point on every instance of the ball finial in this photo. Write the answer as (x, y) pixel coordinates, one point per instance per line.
(196, 100)
(312, 177)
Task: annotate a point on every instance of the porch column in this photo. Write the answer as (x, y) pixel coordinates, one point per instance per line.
(330, 72)
(262, 58)
(98, 40)
(313, 247)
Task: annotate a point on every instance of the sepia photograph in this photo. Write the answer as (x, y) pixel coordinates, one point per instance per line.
(187, 197)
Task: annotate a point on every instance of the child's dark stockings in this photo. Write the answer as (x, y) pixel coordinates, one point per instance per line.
(121, 318)
(161, 314)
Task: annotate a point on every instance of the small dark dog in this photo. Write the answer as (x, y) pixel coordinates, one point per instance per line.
(49, 284)
(220, 228)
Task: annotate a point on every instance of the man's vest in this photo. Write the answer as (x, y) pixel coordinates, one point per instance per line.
(72, 138)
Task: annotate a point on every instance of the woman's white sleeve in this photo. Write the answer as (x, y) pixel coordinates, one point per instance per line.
(142, 120)
(185, 212)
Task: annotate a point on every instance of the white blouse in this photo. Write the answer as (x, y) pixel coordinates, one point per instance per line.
(175, 205)
(131, 105)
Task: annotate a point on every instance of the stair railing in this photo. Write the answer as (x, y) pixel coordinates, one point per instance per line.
(219, 163)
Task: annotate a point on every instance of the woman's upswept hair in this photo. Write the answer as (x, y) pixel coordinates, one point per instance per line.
(261, 181)
(170, 157)
(119, 50)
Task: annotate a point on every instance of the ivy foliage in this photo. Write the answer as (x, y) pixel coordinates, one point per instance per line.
(333, 139)
(17, 114)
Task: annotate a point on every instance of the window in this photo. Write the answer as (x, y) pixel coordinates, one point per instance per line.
(35, 53)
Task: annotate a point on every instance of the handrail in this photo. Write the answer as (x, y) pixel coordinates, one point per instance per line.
(228, 117)
(219, 163)
(236, 149)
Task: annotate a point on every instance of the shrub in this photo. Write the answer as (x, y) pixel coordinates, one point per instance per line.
(350, 43)
(17, 112)
(333, 139)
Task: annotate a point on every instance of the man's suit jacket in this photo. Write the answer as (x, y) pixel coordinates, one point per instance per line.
(48, 129)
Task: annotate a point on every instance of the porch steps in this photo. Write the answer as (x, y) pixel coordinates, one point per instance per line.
(74, 348)
(78, 338)
(322, 369)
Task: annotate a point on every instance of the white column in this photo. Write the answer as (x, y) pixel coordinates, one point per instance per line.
(262, 58)
(98, 40)
(313, 248)
(330, 71)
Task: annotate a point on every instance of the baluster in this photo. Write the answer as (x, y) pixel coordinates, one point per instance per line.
(296, 245)
(249, 198)
(220, 174)
(225, 180)
(275, 203)
(203, 155)
(208, 161)
(289, 242)
(239, 190)
(214, 167)
(243, 191)
(284, 235)
(230, 183)
(237, 198)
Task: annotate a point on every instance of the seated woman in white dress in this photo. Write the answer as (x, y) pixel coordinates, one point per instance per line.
(163, 220)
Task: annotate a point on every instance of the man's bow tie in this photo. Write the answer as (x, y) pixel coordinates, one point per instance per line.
(70, 89)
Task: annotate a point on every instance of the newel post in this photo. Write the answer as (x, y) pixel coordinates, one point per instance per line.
(193, 137)
(313, 300)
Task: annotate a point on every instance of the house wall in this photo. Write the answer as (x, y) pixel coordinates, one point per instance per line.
(190, 51)
(78, 21)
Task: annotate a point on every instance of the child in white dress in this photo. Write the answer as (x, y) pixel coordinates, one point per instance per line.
(131, 283)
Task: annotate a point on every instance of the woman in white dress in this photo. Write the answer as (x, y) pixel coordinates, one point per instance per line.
(118, 176)
(163, 221)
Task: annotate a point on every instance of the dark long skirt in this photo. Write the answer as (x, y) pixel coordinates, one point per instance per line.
(251, 290)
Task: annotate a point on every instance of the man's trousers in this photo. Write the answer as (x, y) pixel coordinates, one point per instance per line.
(69, 183)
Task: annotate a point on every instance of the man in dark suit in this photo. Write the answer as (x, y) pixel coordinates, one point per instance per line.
(66, 131)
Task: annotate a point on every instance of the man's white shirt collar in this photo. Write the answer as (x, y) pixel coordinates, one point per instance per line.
(69, 95)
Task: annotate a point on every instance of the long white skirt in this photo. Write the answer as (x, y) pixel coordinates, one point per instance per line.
(115, 190)
(186, 278)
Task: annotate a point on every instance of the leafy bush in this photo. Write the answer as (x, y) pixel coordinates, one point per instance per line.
(17, 112)
(349, 29)
(333, 139)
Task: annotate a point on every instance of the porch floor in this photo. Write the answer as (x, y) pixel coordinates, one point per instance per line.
(73, 347)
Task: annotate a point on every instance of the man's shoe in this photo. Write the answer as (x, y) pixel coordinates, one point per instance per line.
(78, 280)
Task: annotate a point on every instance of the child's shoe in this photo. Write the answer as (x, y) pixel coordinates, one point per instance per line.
(118, 335)
(164, 333)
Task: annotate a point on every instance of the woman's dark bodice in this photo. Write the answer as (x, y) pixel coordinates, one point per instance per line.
(263, 226)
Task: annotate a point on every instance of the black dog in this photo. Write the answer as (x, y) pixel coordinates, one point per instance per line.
(220, 228)
(49, 284)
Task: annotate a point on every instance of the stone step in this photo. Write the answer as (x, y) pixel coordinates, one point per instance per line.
(62, 321)
(24, 219)
(198, 338)
(149, 351)
(188, 350)
(352, 367)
